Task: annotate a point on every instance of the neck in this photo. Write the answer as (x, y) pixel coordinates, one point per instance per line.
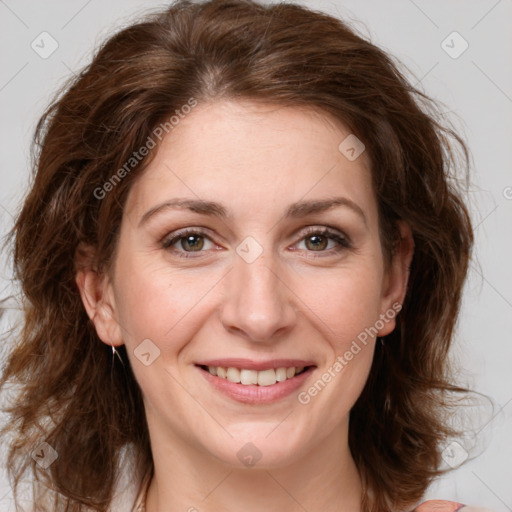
(324, 478)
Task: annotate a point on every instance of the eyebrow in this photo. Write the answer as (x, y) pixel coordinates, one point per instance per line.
(296, 210)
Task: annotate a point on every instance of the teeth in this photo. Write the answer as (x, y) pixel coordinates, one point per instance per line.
(254, 377)
(233, 374)
(267, 377)
(281, 374)
(248, 377)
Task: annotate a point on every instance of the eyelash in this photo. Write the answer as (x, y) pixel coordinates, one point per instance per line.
(342, 240)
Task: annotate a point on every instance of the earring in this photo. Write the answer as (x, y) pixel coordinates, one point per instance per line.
(114, 351)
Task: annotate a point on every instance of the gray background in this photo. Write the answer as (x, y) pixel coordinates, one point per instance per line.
(475, 90)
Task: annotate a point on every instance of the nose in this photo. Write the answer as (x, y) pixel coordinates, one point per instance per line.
(259, 304)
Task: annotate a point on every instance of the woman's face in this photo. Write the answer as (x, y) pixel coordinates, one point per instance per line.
(255, 285)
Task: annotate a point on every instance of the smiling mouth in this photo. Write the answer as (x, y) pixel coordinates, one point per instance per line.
(246, 377)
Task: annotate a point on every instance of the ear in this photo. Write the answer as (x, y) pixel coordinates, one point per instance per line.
(97, 296)
(396, 279)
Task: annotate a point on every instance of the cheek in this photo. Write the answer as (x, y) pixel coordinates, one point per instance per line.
(160, 303)
(345, 307)
(343, 302)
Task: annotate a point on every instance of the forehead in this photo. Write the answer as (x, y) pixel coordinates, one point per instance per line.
(249, 154)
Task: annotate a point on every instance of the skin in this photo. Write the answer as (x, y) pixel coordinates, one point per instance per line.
(294, 301)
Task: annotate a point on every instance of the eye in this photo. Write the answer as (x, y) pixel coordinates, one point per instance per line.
(188, 240)
(317, 240)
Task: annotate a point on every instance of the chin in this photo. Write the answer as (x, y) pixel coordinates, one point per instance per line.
(259, 446)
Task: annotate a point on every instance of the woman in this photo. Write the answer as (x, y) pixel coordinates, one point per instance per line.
(242, 257)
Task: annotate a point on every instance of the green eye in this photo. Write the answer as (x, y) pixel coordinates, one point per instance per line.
(316, 239)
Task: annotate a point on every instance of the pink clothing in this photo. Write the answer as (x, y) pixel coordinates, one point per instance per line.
(447, 506)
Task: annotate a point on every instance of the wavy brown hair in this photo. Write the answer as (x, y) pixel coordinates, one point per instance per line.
(87, 407)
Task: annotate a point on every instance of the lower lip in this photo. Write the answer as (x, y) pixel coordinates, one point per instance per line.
(253, 394)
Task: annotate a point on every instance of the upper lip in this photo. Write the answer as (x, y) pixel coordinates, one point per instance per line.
(250, 364)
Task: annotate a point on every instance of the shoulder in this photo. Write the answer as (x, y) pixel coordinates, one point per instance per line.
(447, 506)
